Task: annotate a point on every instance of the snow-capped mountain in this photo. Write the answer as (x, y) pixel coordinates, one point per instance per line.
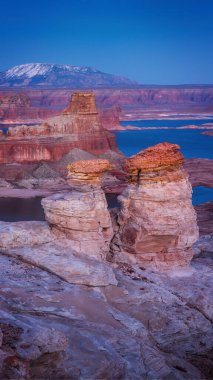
(48, 75)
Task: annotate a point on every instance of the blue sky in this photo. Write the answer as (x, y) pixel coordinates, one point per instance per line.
(151, 41)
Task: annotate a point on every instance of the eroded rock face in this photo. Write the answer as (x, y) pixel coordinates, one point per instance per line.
(110, 118)
(82, 103)
(157, 223)
(87, 172)
(17, 107)
(82, 215)
(79, 126)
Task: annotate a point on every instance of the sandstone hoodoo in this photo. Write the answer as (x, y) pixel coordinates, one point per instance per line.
(87, 172)
(82, 215)
(157, 223)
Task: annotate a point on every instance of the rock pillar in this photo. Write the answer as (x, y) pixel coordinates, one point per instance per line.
(157, 222)
(81, 215)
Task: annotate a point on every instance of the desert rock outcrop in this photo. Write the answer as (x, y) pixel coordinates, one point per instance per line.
(81, 214)
(79, 126)
(157, 223)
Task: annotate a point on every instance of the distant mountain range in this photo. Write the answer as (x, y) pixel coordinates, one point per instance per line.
(46, 75)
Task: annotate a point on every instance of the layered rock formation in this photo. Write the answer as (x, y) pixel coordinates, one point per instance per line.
(157, 223)
(17, 107)
(110, 118)
(79, 126)
(82, 215)
(135, 103)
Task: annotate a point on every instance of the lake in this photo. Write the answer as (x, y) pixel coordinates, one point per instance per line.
(192, 142)
(166, 122)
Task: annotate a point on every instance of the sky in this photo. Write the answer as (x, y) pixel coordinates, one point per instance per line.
(150, 41)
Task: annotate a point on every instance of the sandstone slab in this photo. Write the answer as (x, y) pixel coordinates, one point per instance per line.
(66, 263)
(20, 234)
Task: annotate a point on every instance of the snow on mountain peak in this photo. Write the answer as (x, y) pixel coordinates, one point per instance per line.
(31, 70)
(54, 75)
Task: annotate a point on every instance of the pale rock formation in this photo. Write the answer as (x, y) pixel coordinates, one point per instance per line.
(152, 326)
(34, 243)
(157, 223)
(42, 340)
(60, 259)
(20, 234)
(5, 184)
(82, 215)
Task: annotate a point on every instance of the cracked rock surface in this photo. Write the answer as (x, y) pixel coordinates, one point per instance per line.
(150, 326)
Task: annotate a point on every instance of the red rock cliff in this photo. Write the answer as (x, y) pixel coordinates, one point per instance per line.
(54, 138)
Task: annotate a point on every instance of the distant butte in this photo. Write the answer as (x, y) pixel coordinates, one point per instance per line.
(78, 126)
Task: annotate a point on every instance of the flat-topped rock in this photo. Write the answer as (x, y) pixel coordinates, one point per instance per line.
(82, 103)
(87, 171)
(159, 157)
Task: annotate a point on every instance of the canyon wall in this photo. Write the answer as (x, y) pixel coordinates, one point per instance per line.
(17, 107)
(186, 99)
(79, 126)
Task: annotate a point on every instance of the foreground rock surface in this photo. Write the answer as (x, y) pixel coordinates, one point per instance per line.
(63, 261)
(151, 326)
(157, 223)
(20, 234)
(34, 243)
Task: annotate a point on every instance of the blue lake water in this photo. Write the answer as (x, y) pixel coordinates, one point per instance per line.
(4, 127)
(166, 123)
(201, 195)
(192, 142)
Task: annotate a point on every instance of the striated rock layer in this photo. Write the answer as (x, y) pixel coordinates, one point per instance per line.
(78, 126)
(82, 215)
(157, 223)
(17, 106)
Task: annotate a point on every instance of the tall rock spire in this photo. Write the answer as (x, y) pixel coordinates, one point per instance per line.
(157, 223)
